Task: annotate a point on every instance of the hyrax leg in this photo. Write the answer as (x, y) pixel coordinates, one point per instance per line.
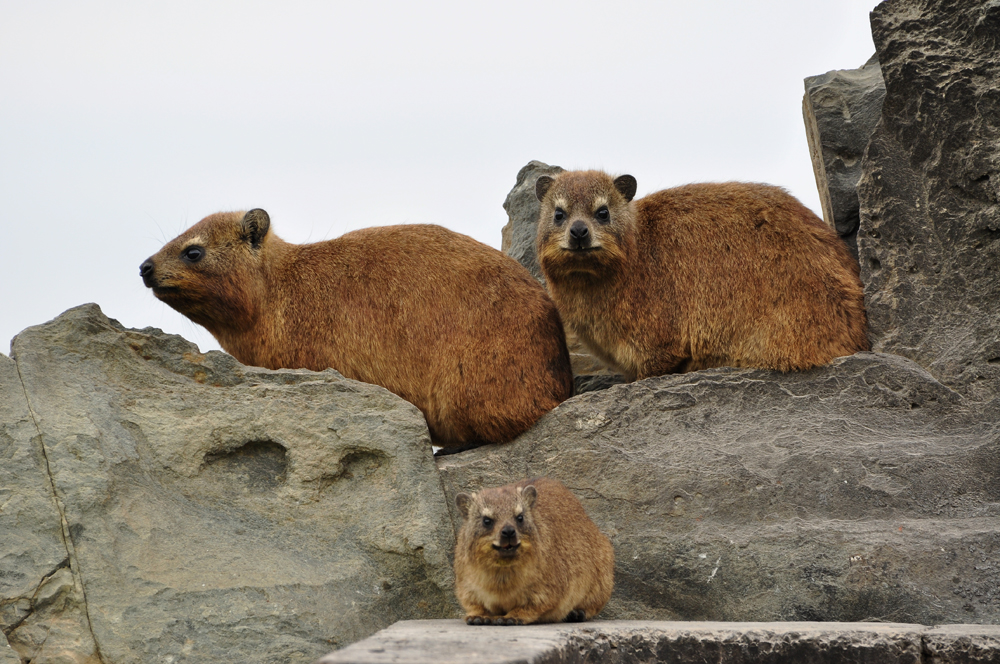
(478, 614)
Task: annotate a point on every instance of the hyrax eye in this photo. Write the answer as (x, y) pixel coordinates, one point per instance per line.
(560, 216)
(487, 522)
(193, 254)
(520, 518)
(602, 214)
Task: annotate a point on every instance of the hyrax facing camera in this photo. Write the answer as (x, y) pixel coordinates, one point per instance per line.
(704, 275)
(528, 553)
(453, 326)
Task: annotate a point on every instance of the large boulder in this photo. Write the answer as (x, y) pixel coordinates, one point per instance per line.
(863, 490)
(841, 109)
(210, 511)
(929, 242)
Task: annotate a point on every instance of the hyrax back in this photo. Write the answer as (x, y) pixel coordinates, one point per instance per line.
(453, 326)
(528, 553)
(699, 276)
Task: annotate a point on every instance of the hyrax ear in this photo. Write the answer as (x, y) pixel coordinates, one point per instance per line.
(625, 184)
(255, 224)
(464, 503)
(528, 496)
(542, 185)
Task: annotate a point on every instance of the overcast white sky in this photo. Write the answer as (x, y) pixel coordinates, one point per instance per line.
(123, 123)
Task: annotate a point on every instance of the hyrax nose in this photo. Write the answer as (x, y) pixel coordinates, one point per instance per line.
(508, 532)
(146, 271)
(579, 234)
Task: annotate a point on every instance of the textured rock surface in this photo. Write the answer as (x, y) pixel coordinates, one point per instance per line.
(519, 235)
(930, 223)
(620, 642)
(865, 490)
(216, 512)
(841, 109)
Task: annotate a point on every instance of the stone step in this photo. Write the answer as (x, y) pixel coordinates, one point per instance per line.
(628, 641)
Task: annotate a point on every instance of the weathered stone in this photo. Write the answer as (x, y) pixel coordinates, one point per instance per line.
(841, 109)
(621, 642)
(864, 490)
(7, 654)
(929, 242)
(41, 603)
(216, 512)
(519, 240)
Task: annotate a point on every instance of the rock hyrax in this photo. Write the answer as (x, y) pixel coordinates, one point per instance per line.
(528, 553)
(453, 326)
(699, 276)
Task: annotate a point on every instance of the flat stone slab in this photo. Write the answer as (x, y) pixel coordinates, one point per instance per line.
(627, 641)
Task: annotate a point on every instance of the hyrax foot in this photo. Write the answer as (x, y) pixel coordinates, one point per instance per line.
(576, 615)
(507, 621)
(477, 620)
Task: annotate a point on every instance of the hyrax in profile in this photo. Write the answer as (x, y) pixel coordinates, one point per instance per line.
(453, 326)
(699, 276)
(528, 553)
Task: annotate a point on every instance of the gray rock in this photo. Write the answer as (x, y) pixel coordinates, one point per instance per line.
(864, 490)
(41, 602)
(841, 109)
(216, 512)
(929, 242)
(7, 654)
(519, 236)
(621, 642)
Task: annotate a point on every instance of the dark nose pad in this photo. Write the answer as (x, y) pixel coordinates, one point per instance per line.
(579, 234)
(146, 268)
(508, 533)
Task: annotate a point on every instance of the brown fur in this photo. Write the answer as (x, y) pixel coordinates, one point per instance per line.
(563, 567)
(704, 275)
(453, 326)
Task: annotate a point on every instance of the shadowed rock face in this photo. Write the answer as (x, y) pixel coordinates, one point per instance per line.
(213, 512)
(865, 490)
(929, 242)
(841, 109)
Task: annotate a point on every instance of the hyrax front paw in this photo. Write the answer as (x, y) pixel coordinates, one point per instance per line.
(503, 620)
(576, 615)
(477, 620)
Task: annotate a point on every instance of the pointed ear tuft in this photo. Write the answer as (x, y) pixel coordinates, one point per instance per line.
(255, 225)
(464, 502)
(625, 184)
(542, 185)
(528, 495)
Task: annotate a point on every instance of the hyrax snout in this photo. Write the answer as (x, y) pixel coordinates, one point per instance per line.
(528, 553)
(704, 275)
(453, 326)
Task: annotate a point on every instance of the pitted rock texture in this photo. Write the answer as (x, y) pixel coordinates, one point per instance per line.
(519, 242)
(635, 642)
(841, 109)
(211, 511)
(929, 242)
(864, 490)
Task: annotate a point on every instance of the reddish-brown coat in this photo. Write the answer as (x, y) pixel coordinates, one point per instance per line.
(453, 326)
(699, 276)
(563, 568)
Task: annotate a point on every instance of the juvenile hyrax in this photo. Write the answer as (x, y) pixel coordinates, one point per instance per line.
(704, 275)
(453, 326)
(528, 553)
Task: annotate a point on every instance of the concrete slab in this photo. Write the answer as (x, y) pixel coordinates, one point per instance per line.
(627, 642)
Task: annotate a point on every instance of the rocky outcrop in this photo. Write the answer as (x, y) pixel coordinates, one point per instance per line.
(865, 490)
(841, 109)
(175, 506)
(615, 642)
(929, 242)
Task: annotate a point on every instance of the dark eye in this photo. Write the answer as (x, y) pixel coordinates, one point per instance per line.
(602, 214)
(193, 254)
(520, 518)
(487, 522)
(560, 216)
